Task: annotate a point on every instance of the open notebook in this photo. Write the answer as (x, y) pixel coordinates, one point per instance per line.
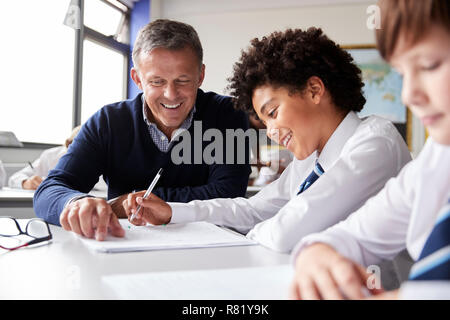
(171, 236)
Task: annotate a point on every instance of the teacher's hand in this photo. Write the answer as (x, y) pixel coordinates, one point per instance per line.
(91, 217)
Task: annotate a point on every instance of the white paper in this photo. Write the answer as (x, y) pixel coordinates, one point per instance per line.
(171, 236)
(253, 283)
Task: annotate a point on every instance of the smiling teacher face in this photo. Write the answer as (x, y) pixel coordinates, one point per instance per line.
(169, 80)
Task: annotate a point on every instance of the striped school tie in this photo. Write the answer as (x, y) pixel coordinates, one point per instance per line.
(313, 176)
(434, 260)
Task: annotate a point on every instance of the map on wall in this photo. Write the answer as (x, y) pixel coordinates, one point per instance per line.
(382, 88)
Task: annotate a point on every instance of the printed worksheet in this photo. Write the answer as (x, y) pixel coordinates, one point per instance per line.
(171, 236)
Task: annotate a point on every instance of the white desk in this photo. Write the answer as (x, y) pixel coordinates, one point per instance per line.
(13, 198)
(66, 269)
(18, 203)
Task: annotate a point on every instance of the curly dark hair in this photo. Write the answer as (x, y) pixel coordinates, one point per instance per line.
(288, 59)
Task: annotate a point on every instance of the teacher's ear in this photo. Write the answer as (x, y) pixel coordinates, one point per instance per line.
(135, 76)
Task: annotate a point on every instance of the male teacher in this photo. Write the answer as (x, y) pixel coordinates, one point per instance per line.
(129, 141)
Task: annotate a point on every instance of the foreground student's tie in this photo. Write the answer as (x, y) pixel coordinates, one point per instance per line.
(434, 260)
(313, 176)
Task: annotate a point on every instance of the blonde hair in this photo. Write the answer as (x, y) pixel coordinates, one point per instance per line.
(72, 136)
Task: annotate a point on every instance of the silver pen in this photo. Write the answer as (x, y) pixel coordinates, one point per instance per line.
(147, 193)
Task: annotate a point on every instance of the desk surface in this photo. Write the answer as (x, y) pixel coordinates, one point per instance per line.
(12, 194)
(10, 197)
(19, 198)
(19, 203)
(66, 269)
(7, 193)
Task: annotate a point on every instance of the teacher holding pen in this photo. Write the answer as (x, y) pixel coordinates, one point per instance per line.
(129, 141)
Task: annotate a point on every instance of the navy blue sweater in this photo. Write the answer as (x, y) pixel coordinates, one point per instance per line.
(115, 143)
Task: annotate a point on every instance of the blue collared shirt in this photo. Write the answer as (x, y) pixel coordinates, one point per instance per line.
(159, 138)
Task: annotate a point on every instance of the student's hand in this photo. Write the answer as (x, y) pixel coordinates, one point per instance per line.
(153, 209)
(91, 217)
(32, 183)
(322, 273)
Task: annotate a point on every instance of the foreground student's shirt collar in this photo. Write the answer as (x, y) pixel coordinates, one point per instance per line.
(340, 136)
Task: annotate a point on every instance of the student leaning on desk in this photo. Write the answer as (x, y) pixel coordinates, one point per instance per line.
(129, 141)
(413, 210)
(307, 90)
(31, 176)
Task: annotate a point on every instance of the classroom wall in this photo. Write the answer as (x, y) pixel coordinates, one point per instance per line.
(140, 16)
(226, 27)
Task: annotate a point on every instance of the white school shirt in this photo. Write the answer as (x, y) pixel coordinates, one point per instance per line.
(358, 159)
(41, 166)
(401, 215)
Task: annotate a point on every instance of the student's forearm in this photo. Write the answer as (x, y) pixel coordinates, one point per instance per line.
(236, 213)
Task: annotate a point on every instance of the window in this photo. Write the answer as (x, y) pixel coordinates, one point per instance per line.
(104, 56)
(110, 17)
(36, 79)
(41, 99)
(103, 83)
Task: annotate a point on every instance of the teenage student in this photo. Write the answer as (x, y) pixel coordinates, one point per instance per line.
(413, 209)
(307, 91)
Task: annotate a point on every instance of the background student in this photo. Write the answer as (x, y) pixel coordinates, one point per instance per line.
(306, 90)
(413, 210)
(32, 175)
(129, 141)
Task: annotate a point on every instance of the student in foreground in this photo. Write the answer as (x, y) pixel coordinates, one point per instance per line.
(306, 90)
(413, 210)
